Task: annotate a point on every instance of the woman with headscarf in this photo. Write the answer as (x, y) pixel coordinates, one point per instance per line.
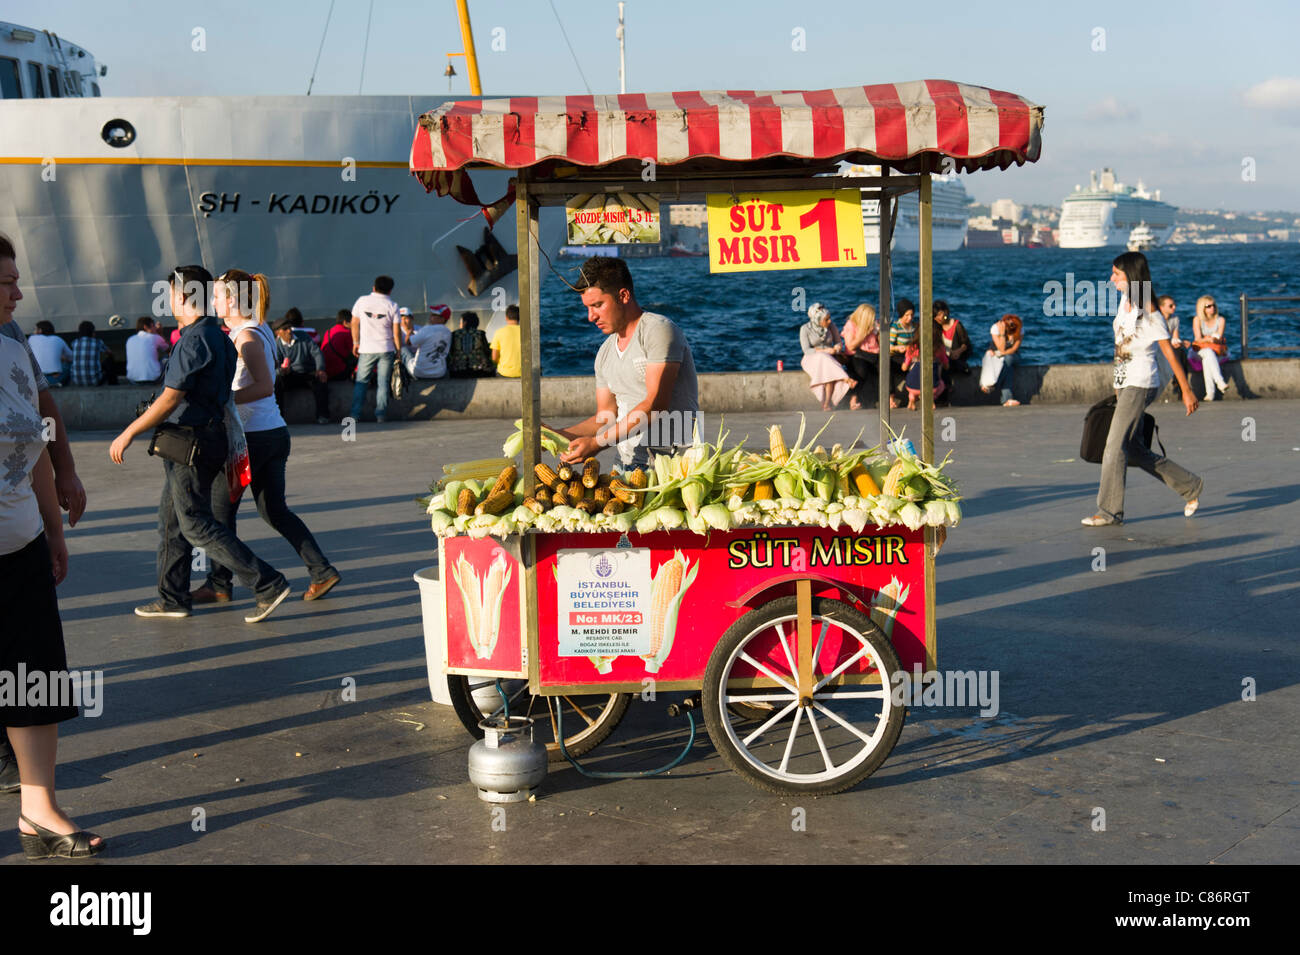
(821, 342)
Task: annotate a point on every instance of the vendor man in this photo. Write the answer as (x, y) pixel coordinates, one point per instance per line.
(646, 389)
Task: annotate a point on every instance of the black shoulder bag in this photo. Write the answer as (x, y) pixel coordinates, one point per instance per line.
(1096, 427)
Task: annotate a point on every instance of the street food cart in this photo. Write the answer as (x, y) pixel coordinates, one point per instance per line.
(793, 635)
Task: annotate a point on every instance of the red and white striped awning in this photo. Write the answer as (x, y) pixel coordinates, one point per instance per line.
(913, 127)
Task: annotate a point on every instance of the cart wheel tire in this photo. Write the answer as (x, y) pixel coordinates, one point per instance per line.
(588, 719)
(861, 729)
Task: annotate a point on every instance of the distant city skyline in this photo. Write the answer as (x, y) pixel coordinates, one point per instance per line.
(1202, 106)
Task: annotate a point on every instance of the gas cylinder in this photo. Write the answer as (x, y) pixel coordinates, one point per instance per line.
(507, 763)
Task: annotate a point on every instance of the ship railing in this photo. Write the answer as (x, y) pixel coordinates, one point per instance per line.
(1273, 305)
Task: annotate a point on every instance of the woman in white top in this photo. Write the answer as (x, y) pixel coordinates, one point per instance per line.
(241, 301)
(1211, 343)
(33, 561)
(1139, 330)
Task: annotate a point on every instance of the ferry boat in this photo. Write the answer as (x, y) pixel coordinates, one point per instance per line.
(949, 213)
(105, 195)
(1107, 212)
(1141, 238)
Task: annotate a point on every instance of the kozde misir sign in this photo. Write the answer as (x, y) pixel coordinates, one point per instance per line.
(803, 229)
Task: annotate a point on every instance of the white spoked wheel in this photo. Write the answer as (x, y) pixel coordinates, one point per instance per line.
(833, 720)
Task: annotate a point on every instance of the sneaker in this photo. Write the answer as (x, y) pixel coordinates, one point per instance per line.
(160, 609)
(1191, 507)
(207, 595)
(380, 419)
(321, 589)
(264, 607)
(1099, 520)
(1210, 396)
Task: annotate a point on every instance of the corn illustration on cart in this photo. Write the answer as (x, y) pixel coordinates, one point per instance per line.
(793, 636)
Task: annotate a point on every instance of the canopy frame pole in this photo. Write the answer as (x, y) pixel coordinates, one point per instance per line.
(925, 264)
(884, 317)
(530, 383)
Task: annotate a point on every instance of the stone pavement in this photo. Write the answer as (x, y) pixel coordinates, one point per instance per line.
(1120, 689)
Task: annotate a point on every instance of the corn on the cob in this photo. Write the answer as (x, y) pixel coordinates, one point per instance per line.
(764, 491)
(621, 491)
(894, 478)
(534, 505)
(612, 506)
(543, 496)
(560, 496)
(586, 505)
(505, 481)
(465, 502)
(565, 473)
(776, 444)
(575, 491)
(546, 475)
(495, 503)
(601, 496)
(863, 481)
(636, 478)
(590, 473)
(666, 584)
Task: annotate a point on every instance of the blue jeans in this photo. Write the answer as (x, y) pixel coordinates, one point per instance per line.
(365, 366)
(1005, 377)
(268, 454)
(185, 521)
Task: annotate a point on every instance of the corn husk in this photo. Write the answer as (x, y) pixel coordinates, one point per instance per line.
(855, 518)
(442, 522)
(717, 516)
(912, 516)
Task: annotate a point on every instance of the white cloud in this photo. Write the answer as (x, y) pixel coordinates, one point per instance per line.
(1111, 110)
(1279, 93)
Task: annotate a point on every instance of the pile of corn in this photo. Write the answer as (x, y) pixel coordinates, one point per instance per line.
(707, 487)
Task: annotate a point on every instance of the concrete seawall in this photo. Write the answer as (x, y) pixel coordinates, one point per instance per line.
(566, 398)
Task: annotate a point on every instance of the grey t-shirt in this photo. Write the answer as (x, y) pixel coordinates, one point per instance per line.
(656, 340)
(11, 329)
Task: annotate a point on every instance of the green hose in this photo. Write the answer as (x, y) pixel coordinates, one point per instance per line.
(599, 774)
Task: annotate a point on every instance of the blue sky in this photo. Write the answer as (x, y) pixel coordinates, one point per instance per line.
(1180, 96)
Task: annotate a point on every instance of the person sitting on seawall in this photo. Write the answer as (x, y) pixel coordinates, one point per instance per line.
(425, 353)
(88, 355)
(1211, 344)
(300, 362)
(1168, 310)
(144, 352)
(1008, 335)
(337, 348)
(901, 335)
(862, 351)
(821, 343)
(471, 356)
(52, 353)
(506, 345)
(955, 340)
(912, 365)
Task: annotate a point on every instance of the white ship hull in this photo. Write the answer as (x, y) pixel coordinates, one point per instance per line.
(1095, 219)
(313, 191)
(948, 218)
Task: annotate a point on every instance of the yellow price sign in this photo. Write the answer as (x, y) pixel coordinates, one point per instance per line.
(804, 229)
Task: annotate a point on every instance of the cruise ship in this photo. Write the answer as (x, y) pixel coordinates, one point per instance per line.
(103, 196)
(1108, 212)
(948, 215)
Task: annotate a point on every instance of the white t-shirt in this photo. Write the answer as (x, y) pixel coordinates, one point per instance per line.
(431, 344)
(263, 414)
(21, 443)
(142, 356)
(377, 314)
(1136, 336)
(50, 351)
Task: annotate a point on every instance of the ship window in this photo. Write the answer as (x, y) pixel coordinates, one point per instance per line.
(56, 88)
(37, 84)
(94, 89)
(9, 88)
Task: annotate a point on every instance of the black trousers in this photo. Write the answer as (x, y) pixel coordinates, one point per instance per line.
(294, 379)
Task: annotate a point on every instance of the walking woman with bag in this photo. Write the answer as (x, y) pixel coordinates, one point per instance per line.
(1139, 330)
(241, 301)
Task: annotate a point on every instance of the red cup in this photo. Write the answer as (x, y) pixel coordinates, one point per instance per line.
(780, 365)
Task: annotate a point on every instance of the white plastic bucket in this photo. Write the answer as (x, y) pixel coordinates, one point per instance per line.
(435, 635)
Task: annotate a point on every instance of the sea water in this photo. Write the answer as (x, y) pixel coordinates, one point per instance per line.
(749, 321)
